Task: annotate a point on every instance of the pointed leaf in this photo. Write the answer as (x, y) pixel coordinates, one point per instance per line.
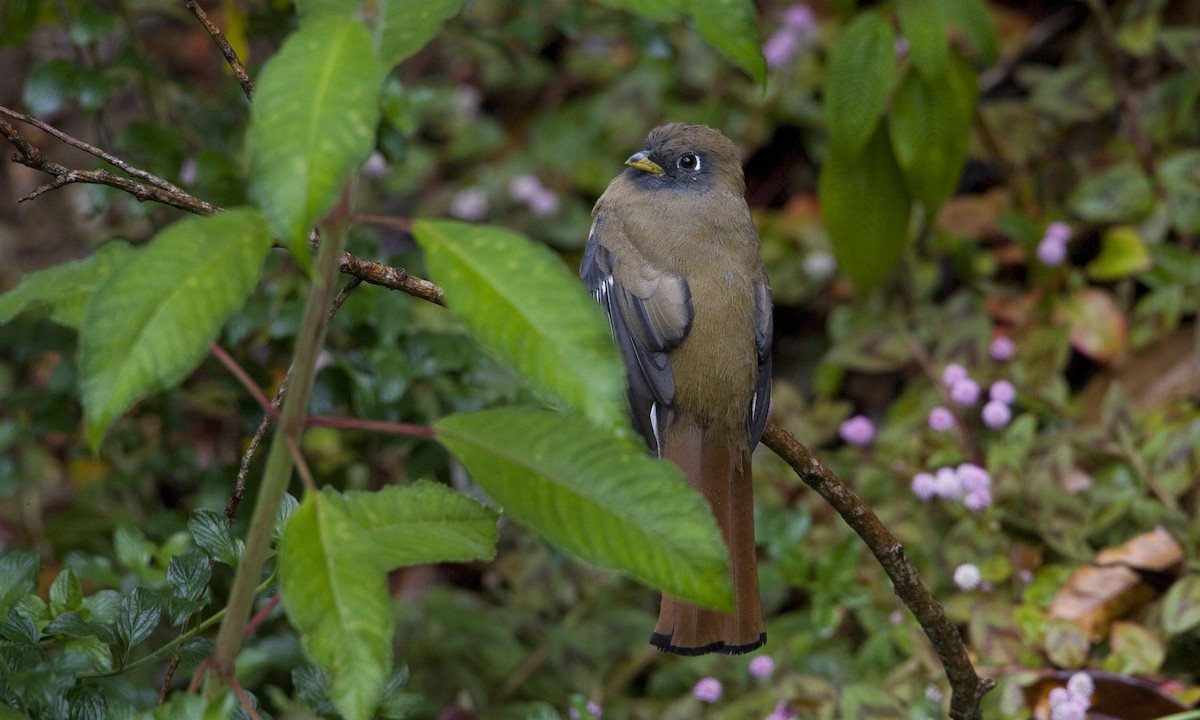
(335, 593)
(1122, 253)
(312, 122)
(66, 289)
(138, 617)
(596, 496)
(862, 66)
(423, 523)
(535, 316)
(865, 207)
(974, 21)
(152, 322)
(731, 28)
(404, 27)
(211, 531)
(924, 27)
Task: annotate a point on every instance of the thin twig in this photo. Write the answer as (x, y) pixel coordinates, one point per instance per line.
(396, 278)
(967, 687)
(235, 63)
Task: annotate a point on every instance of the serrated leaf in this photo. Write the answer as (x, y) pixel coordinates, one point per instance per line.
(188, 575)
(924, 26)
(70, 624)
(1121, 193)
(522, 304)
(423, 523)
(974, 21)
(596, 496)
(151, 323)
(140, 614)
(65, 289)
(862, 67)
(865, 207)
(87, 702)
(212, 533)
(335, 593)
(731, 28)
(404, 27)
(66, 593)
(18, 572)
(1122, 253)
(1181, 606)
(312, 123)
(929, 127)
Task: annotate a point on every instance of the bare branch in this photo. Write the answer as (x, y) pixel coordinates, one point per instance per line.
(967, 687)
(235, 63)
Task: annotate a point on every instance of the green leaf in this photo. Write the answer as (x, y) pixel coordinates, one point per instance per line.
(423, 523)
(18, 577)
(929, 127)
(731, 28)
(311, 124)
(1121, 193)
(188, 574)
(51, 84)
(212, 533)
(865, 207)
(1134, 650)
(138, 617)
(657, 10)
(862, 67)
(66, 593)
(1180, 176)
(65, 289)
(1065, 644)
(1181, 606)
(924, 26)
(535, 316)
(1075, 93)
(974, 21)
(1122, 253)
(151, 323)
(335, 593)
(404, 27)
(597, 496)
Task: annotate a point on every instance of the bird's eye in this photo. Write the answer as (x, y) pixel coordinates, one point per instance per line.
(689, 162)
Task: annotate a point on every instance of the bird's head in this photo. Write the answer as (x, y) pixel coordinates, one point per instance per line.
(687, 158)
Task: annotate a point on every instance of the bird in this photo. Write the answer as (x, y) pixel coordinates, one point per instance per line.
(673, 258)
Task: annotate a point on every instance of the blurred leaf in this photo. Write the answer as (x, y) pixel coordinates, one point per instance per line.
(1065, 644)
(866, 208)
(1181, 606)
(139, 616)
(87, 702)
(66, 593)
(312, 123)
(1075, 93)
(596, 496)
(1180, 176)
(862, 68)
(151, 323)
(974, 21)
(929, 126)
(212, 533)
(423, 523)
(1098, 328)
(335, 594)
(521, 303)
(1139, 27)
(1182, 44)
(187, 578)
(405, 27)
(1134, 650)
(50, 85)
(18, 571)
(1121, 193)
(924, 26)
(1122, 253)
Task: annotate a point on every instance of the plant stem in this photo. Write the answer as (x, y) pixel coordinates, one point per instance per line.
(278, 471)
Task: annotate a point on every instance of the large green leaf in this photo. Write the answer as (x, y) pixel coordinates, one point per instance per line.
(862, 67)
(924, 26)
(312, 122)
(929, 128)
(335, 594)
(597, 496)
(151, 323)
(521, 303)
(65, 289)
(974, 21)
(403, 27)
(865, 207)
(729, 26)
(423, 523)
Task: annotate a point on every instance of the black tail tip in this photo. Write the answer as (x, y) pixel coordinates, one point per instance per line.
(663, 642)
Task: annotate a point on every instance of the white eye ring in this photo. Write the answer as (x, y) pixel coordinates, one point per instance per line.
(689, 162)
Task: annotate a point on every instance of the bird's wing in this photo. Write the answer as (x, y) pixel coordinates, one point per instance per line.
(650, 312)
(764, 325)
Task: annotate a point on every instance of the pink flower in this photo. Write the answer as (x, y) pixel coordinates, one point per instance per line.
(924, 486)
(965, 392)
(782, 712)
(762, 666)
(1002, 391)
(973, 477)
(1059, 231)
(707, 690)
(947, 485)
(858, 430)
(800, 17)
(941, 418)
(469, 204)
(953, 373)
(1052, 250)
(996, 414)
(529, 190)
(1002, 348)
(781, 47)
(978, 499)
(594, 708)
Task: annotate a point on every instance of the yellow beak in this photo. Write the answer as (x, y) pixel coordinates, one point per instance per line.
(641, 160)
